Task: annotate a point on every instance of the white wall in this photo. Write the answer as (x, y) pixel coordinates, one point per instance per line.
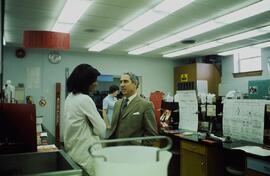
(157, 74)
(229, 83)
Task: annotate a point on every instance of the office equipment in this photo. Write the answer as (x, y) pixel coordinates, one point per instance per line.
(17, 128)
(156, 98)
(173, 107)
(165, 119)
(259, 89)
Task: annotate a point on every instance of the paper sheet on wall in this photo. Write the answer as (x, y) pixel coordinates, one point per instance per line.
(188, 107)
(33, 77)
(244, 119)
(202, 87)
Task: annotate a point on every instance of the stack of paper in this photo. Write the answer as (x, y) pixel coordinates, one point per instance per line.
(255, 150)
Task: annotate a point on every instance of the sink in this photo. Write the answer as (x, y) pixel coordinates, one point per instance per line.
(43, 163)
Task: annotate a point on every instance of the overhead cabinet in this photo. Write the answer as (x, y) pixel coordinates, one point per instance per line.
(186, 77)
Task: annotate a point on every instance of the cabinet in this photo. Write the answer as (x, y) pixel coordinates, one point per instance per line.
(257, 167)
(189, 74)
(253, 173)
(200, 160)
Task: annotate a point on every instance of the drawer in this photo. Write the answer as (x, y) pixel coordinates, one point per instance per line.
(193, 147)
(258, 165)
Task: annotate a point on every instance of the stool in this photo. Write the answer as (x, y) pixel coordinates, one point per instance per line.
(235, 163)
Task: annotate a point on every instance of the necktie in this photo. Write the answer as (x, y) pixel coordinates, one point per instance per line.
(124, 104)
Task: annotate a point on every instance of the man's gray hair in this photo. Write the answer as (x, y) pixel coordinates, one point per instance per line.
(134, 79)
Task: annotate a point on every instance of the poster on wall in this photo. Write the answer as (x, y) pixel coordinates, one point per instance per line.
(243, 119)
(33, 77)
(188, 107)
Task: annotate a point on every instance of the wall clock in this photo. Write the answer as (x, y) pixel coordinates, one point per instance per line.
(54, 57)
(20, 53)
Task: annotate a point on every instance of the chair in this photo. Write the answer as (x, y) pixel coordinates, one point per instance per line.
(235, 162)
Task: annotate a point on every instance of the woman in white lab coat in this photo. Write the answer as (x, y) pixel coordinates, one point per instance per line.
(83, 124)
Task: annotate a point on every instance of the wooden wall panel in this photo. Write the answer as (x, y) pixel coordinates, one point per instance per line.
(210, 73)
(186, 69)
(199, 71)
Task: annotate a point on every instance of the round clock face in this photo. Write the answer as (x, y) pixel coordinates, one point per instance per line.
(54, 58)
(20, 53)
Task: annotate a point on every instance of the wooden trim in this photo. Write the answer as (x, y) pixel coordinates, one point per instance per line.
(57, 113)
(246, 74)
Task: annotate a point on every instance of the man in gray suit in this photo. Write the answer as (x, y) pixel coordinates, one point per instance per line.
(133, 116)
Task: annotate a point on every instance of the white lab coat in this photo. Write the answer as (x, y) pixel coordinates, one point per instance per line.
(83, 127)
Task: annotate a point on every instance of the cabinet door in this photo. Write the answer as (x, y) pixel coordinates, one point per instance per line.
(192, 164)
(253, 173)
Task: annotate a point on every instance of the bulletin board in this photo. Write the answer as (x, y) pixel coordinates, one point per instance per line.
(244, 119)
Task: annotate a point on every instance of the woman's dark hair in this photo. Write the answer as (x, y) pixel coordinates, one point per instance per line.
(81, 78)
(113, 88)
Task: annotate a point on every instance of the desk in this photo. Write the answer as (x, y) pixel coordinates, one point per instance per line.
(200, 159)
(206, 158)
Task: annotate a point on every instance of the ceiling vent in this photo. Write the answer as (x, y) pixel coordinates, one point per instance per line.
(188, 42)
(90, 30)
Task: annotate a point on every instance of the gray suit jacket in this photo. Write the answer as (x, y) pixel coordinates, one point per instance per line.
(137, 120)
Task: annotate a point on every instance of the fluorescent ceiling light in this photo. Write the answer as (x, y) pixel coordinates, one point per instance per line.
(262, 45)
(235, 16)
(227, 53)
(231, 52)
(193, 49)
(216, 43)
(109, 41)
(62, 27)
(153, 15)
(145, 20)
(117, 36)
(100, 46)
(205, 27)
(70, 14)
(244, 13)
(241, 36)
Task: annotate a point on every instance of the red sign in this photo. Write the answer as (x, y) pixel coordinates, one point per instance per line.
(46, 39)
